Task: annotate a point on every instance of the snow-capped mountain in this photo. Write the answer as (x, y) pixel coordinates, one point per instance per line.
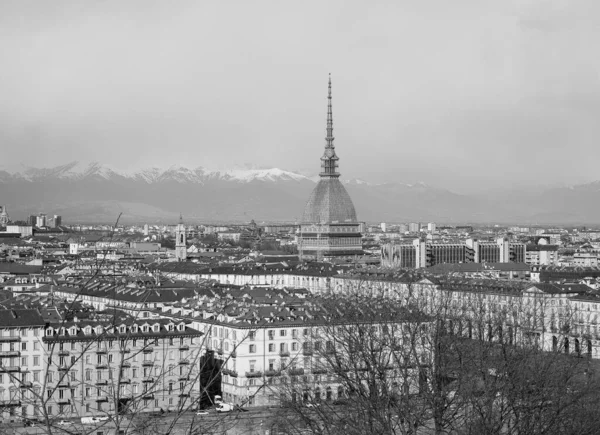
(92, 192)
(77, 171)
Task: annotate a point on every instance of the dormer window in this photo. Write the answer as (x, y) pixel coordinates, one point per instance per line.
(135, 329)
(181, 327)
(98, 330)
(156, 328)
(88, 330)
(122, 329)
(73, 331)
(49, 332)
(145, 328)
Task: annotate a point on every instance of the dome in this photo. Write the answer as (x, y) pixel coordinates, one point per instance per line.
(329, 202)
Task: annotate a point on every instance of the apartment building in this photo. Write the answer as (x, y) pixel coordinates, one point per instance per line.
(100, 366)
(22, 365)
(280, 345)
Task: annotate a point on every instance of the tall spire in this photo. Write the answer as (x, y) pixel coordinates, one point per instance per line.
(329, 159)
(329, 137)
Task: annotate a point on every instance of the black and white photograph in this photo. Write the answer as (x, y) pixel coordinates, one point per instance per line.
(289, 218)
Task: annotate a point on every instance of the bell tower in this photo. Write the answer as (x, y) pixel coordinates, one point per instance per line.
(180, 242)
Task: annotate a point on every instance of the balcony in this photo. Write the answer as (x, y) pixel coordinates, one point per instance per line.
(284, 353)
(148, 380)
(184, 348)
(11, 338)
(101, 351)
(10, 403)
(184, 395)
(307, 352)
(63, 368)
(125, 350)
(184, 362)
(296, 372)
(148, 363)
(271, 373)
(233, 354)
(63, 353)
(10, 369)
(148, 396)
(125, 381)
(10, 354)
(253, 374)
(101, 399)
(126, 364)
(102, 382)
(63, 401)
(230, 372)
(26, 384)
(101, 366)
(64, 383)
(316, 371)
(148, 350)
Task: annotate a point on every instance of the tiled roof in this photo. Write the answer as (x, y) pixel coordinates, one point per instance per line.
(21, 317)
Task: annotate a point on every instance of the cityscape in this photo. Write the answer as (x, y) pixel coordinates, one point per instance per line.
(249, 299)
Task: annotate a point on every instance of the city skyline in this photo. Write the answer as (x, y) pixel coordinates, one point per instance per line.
(513, 89)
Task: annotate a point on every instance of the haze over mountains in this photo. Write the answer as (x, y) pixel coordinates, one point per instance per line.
(95, 193)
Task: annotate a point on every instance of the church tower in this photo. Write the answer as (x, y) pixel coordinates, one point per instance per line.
(180, 242)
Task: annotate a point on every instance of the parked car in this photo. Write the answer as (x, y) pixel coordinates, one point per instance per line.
(202, 413)
(64, 423)
(224, 407)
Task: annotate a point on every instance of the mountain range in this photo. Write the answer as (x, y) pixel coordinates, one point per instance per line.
(96, 193)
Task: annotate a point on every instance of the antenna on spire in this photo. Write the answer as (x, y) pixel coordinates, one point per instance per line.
(180, 218)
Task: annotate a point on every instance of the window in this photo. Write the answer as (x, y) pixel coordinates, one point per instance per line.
(271, 334)
(49, 375)
(88, 375)
(251, 335)
(252, 348)
(271, 347)
(294, 333)
(294, 346)
(252, 365)
(271, 364)
(73, 375)
(282, 332)
(36, 360)
(36, 345)
(87, 407)
(134, 373)
(24, 346)
(24, 361)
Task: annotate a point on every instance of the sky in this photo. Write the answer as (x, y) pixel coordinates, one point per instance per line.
(462, 94)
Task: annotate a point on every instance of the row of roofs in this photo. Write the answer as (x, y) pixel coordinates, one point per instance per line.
(292, 311)
(255, 268)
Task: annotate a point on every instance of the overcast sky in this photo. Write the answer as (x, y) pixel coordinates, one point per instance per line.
(457, 93)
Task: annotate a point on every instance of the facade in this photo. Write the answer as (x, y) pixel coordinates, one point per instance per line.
(180, 241)
(57, 221)
(40, 221)
(4, 217)
(264, 349)
(22, 363)
(329, 227)
(426, 254)
(97, 368)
